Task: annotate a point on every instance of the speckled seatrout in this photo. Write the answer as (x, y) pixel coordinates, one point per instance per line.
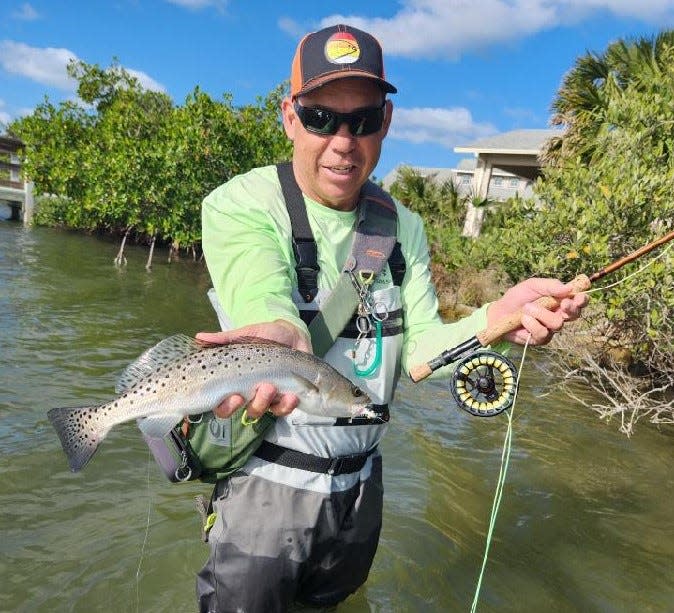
(180, 376)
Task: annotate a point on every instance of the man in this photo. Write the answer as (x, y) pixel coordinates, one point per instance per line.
(290, 529)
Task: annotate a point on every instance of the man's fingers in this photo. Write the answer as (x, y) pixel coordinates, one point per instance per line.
(284, 404)
(267, 398)
(264, 396)
(216, 338)
(540, 335)
(552, 320)
(229, 405)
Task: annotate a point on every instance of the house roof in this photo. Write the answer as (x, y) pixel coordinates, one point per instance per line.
(527, 142)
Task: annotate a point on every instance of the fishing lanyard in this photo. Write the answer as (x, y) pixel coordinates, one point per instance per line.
(370, 316)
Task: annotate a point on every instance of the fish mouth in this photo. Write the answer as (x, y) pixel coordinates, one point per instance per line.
(365, 410)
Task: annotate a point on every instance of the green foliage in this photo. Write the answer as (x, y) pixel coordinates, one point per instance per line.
(606, 191)
(426, 196)
(51, 210)
(443, 209)
(609, 193)
(129, 159)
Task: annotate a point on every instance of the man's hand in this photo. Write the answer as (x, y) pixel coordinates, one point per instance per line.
(538, 321)
(266, 396)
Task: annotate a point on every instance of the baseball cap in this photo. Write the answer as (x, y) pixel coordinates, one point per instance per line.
(334, 53)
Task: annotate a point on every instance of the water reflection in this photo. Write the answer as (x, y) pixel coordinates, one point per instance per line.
(584, 523)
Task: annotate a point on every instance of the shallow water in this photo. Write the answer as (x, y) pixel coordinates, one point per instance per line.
(585, 520)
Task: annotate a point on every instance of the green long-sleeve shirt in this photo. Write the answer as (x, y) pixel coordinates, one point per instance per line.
(247, 241)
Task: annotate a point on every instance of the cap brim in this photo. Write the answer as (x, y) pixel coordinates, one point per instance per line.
(345, 74)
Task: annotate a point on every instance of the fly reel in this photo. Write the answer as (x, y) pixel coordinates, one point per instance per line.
(484, 383)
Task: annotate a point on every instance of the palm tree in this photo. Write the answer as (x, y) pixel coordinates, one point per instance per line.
(428, 197)
(589, 87)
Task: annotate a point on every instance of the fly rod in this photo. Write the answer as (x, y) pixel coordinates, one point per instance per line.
(485, 381)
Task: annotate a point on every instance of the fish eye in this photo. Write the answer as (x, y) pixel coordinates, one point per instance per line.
(356, 391)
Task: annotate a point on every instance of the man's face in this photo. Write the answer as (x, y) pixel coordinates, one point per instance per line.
(331, 169)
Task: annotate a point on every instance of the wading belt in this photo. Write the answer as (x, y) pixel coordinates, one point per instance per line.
(340, 465)
(373, 245)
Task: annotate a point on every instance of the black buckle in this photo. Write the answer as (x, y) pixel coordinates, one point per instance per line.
(307, 282)
(306, 256)
(336, 465)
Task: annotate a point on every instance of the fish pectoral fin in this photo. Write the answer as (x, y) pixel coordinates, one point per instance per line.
(159, 425)
(297, 381)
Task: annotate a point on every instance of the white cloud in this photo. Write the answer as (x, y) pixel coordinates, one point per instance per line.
(48, 66)
(444, 29)
(447, 127)
(26, 13)
(43, 65)
(196, 5)
(146, 81)
(24, 111)
(292, 27)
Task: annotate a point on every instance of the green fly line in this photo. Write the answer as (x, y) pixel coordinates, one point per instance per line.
(507, 442)
(147, 530)
(505, 461)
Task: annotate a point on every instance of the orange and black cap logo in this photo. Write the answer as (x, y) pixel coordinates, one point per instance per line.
(342, 48)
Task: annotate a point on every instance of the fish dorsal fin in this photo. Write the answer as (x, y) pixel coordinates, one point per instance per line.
(168, 350)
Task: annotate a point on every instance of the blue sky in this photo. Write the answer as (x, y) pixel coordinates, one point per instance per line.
(464, 68)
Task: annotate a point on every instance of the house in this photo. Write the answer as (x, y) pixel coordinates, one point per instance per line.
(15, 193)
(502, 166)
(516, 152)
(503, 184)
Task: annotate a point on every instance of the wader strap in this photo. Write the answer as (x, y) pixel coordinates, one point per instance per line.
(373, 243)
(304, 245)
(341, 465)
(333, 316)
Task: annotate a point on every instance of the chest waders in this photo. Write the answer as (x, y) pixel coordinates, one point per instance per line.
(206, 448)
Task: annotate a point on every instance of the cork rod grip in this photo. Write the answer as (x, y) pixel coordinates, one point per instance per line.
(513, 321)
(419, 372)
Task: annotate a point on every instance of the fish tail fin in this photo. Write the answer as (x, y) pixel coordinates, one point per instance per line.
(79, 432)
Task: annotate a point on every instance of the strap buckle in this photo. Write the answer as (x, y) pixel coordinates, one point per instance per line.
(306, 256)
(336, 465)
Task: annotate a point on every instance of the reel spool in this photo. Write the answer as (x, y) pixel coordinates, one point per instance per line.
(484, 383)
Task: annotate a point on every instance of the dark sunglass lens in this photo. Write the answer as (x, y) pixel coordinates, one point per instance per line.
(318, 120)
(366, 122)
(323, 121)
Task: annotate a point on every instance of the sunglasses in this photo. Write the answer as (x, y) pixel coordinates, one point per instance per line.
(324, 121)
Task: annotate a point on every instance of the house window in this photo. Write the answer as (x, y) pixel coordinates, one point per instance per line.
(465, 179)
(498, 182)
(514, 182)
